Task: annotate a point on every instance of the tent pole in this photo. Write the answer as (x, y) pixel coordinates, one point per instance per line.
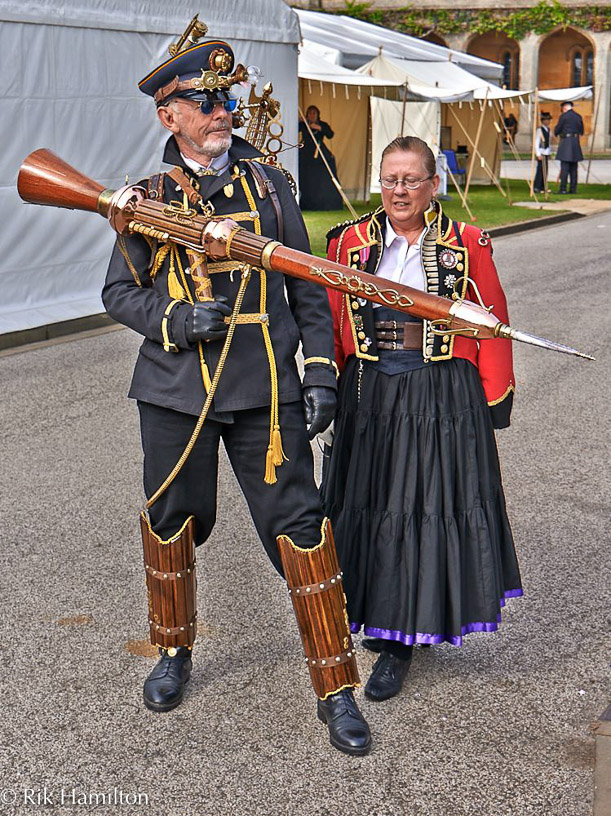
(475, 147)
(403, 109)
(326, 163)
(463, 198)
(593, 134)
(491, 175)
(369, 156)
(532, 153)
(510, 141)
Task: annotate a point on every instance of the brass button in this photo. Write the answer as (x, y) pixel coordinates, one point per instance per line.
(361, 335)
(364, 347)
(446, 338)
(460, 267)
(444, 348)
(355, 304)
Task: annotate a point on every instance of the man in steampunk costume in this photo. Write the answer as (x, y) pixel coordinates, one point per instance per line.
(261, 410)
(568, 129)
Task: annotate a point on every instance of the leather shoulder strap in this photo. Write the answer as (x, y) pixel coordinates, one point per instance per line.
(259, 172)
(155, 186)
(181, 178)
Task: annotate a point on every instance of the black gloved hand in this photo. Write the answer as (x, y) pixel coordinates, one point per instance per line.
(319, 408)
(207, 320)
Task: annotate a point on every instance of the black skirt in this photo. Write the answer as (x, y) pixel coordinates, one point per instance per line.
(316, 188)
(413, 489)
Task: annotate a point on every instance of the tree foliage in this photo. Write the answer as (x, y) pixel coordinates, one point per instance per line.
(546, 16)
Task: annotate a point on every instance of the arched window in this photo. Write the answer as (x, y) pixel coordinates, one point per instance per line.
(589, 69)
(506, 62)
(509, 61)
(576, 68)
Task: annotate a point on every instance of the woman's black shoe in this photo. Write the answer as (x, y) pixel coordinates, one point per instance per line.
(387, 677)
(373, 644)
(164, 687)
(348, 730)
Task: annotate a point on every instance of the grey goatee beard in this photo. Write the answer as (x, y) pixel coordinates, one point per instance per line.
(215, 145)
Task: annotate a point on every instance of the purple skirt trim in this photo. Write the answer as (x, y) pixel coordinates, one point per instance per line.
(424, 637)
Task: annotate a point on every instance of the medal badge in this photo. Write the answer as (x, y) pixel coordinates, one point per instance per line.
(448, 258)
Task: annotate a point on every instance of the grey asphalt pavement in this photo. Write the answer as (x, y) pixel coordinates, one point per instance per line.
(499, 727)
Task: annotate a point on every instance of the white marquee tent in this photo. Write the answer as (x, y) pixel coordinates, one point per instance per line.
(353, 42)
(566, 94)
(70, 73)
(447, 83)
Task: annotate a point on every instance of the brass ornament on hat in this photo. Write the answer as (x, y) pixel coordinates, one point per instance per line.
(220, 60)
(193, 32)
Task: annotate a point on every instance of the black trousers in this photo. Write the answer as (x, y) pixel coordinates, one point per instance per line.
(291, 506)
(541, 174)
(568, 170)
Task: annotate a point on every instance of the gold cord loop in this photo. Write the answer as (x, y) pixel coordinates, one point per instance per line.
(213, 386)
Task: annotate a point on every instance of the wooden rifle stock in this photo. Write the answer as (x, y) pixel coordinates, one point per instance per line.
(46, 179)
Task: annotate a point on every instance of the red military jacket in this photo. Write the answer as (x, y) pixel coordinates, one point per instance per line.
(451, 252)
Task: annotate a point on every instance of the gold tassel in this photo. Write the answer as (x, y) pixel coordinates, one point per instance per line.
(175, 290)
(278, 454)
(270, 468)
(159, 259)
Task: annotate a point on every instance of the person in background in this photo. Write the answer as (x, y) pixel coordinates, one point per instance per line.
(542, 152)
(316, 187)
(413, 484)
(511, 128)
(568, 129)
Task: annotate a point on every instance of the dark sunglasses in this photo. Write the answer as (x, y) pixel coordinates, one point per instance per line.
(207, 106)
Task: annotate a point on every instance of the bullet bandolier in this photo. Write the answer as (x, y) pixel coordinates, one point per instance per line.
(231, 331)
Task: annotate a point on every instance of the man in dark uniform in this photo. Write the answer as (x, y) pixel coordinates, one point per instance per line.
(568, 129)
(260, 408)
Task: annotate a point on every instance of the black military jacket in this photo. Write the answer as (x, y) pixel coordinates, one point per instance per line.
(174, 378)
(569, 128)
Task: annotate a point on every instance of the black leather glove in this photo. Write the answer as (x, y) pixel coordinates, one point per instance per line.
(207, 320)
(319, 408)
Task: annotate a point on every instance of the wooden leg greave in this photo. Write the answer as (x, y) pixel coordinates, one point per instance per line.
(171, 585)
(315, 585)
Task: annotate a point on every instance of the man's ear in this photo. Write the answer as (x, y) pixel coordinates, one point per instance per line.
(167, 117)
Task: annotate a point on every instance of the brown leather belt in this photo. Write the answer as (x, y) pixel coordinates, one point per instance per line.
(398, 336)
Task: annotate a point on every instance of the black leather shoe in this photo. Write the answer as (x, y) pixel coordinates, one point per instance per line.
(348, 730)
(164, 687)
(387, 677)
(373, 644)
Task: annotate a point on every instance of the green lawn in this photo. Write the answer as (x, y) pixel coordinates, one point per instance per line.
(489, 208)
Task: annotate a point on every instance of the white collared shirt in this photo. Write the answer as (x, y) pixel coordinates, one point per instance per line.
(539, 149)
(401, 262)
(217, 166)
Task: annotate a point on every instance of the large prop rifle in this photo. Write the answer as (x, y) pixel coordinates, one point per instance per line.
(46, 179)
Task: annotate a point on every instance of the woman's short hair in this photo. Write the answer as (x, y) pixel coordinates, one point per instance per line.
(412, 144)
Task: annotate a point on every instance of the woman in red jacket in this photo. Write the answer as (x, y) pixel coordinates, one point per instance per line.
(413, 485)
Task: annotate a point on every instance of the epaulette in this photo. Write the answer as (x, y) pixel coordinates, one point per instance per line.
(335, 231)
